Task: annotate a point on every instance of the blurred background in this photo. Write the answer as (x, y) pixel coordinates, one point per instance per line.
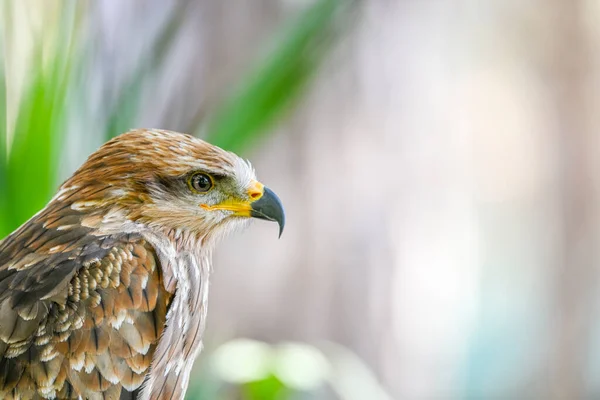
(437, 159)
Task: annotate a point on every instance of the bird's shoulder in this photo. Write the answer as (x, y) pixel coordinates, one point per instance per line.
(39, 259)
(80, 312)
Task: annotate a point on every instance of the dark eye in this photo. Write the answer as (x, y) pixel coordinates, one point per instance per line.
(200, 183)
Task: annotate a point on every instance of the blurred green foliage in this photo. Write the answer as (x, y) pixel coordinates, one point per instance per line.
(37, 142)
(34, 153)
(4, 225)
(268, 388)
(277, 82)
(255, 370)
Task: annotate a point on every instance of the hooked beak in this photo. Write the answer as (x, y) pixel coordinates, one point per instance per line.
(269, 207)
(262, 204)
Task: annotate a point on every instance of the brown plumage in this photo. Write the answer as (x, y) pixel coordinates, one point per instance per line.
(103, 292)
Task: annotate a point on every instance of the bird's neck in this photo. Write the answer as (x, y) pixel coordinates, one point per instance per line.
(186, 264)
(174, 245)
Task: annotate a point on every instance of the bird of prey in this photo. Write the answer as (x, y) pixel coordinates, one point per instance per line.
(103, 293)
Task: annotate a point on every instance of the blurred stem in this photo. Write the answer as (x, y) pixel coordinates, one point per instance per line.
(125, 109)
(3, 149)
(279, 80)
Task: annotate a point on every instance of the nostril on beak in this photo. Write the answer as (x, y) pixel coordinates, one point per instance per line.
(255, 191)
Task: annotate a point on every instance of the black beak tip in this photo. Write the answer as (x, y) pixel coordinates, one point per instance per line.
(281, 225)
(269, 208)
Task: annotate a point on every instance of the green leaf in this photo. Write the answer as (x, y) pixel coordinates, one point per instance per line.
(4, 225)
(279, 80)
(269, 388)
(30, 178)
(31, 166)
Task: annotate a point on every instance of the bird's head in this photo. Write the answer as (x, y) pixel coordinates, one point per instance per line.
(170, 182)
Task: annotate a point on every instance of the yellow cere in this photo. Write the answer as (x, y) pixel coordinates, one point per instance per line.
(240, 207)
(256, 190)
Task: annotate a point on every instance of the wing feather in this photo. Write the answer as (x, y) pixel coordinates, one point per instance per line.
(80, 313)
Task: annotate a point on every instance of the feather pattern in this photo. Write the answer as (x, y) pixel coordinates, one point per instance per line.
(80, 339)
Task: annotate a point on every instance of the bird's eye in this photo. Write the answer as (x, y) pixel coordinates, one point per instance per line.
(200, 183)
